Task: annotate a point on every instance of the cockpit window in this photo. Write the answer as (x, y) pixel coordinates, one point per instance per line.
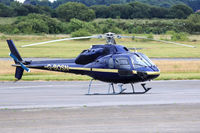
(140, 60)
(147, 59)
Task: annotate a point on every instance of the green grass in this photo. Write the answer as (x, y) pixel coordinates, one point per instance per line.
(178, 76)
(71, 77)
(70, 49)
(43, 76)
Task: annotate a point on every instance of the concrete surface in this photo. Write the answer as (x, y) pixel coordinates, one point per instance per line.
(72, 94)
(173, 118)
(63, 107)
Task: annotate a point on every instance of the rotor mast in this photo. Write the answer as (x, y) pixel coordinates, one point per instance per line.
(110, 38)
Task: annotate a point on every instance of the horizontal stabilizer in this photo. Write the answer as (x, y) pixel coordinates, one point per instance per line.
(22, 65)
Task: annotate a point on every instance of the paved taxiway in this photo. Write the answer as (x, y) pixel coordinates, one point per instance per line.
(26, 107)
(72, 94)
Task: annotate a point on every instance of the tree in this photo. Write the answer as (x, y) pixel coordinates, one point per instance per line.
(140, 10)
(180, 11)
(32, 2)
(6, 2)
(45, 3)
(101, 11)
(194, 4)
(75, 10)
(5, 11)
(120, 10)
(19, 9)
(158, 12)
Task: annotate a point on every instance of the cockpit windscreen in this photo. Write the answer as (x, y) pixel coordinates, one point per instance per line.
(141, 60)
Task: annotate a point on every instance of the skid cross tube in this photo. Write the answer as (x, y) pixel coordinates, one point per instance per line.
(122, 90)
(113, 88)
(132, 87)
(90, 86)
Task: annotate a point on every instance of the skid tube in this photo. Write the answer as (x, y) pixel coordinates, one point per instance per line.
(121, 92)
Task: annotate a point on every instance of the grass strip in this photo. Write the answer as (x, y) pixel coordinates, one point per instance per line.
(71, 77)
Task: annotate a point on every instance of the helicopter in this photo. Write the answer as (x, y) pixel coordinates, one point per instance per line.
(110, 62)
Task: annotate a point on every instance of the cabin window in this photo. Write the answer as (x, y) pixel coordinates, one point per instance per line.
(122, 63)
(111, 63)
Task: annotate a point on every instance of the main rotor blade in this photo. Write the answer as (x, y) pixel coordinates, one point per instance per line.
(139, 37)
(74, 38)
(127, 36)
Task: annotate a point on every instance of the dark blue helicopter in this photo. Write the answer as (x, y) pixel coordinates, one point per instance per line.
(110, 63)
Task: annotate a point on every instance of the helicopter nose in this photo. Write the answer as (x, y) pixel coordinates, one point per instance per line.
(154, 68)
(148, 75)
(142, 75)
(155, 71)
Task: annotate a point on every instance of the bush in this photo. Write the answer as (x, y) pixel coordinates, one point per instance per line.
(194, 18)
(9, 29)
(36, 23)
(179, 37)
(76, 24)
(138, 30)
(109, 25)
(150, 36)
(80, 33)
(116, 30)
(170, 32)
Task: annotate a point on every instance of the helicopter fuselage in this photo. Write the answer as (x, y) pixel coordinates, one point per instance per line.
(116, 65)
(108, 62)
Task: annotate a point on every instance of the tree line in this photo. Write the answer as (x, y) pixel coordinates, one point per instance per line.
(39, 24)
(194, 4)
(140, 10)
(80, 11)
(76, 17)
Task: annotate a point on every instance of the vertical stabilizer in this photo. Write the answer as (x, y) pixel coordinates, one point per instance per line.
(14, 50)
(18, 60)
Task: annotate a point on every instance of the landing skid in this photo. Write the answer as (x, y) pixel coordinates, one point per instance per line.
(122, 90)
